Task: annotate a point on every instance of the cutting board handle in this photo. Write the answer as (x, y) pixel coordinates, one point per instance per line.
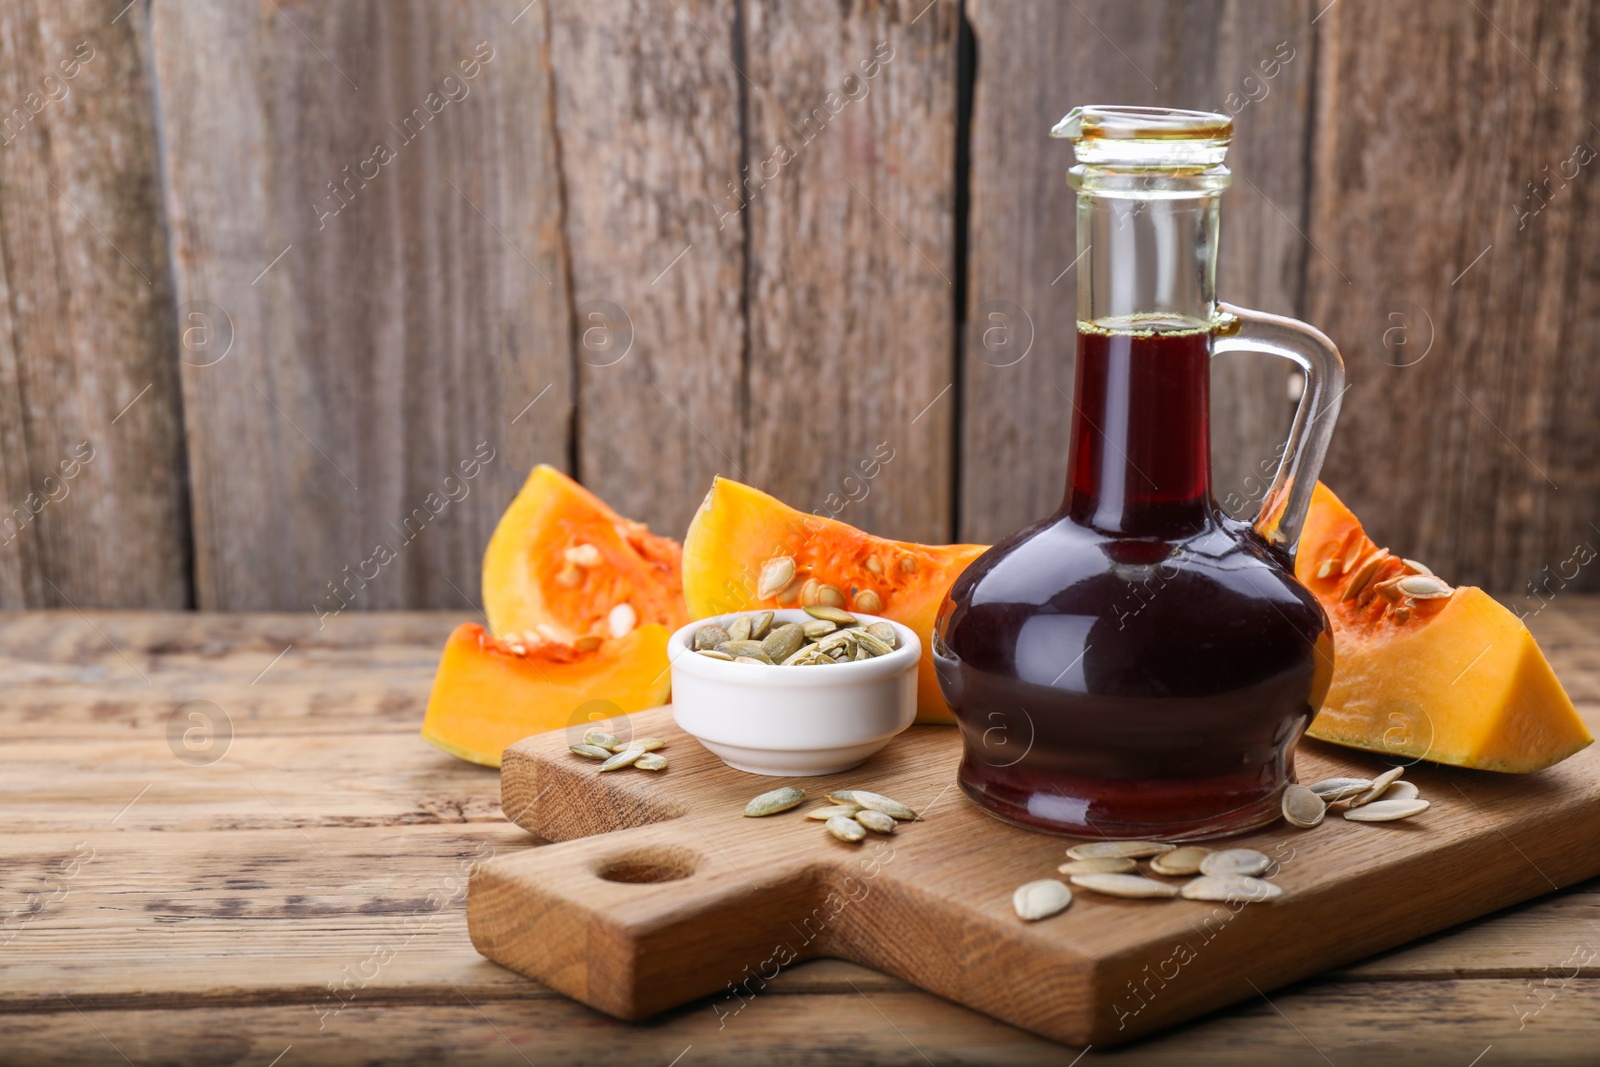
(641, 920)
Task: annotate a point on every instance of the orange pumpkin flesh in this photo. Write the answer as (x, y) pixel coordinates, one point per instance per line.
(1454, 679)
(561, 559)
(581, 601)
(739, 529)
(487, 694)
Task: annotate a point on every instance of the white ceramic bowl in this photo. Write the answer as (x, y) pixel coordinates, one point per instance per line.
(793, 721)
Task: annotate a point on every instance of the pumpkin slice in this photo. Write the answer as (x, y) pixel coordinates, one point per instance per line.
(490, 693)
(1425, 670)
(563, 565)
(746, 550)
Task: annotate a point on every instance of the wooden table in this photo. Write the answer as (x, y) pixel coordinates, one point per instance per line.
(285, 885)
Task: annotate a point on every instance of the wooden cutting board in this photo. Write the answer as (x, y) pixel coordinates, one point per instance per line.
(663, 892)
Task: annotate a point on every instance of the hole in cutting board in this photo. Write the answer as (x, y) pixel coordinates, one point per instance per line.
(657, 863)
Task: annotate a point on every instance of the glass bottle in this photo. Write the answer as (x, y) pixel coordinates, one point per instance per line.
(1139, 664)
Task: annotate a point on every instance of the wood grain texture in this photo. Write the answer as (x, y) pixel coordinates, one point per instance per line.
(380, 234)
(1034, 62)
(662, 891)
(1459, 284)
(850, 204)
(648, 112)
(92, 504)
(306, 888)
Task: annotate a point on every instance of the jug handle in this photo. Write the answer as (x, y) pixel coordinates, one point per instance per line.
(1283, 510)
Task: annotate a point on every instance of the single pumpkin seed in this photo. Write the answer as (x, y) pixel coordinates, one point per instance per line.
(824, 814)
(600, 739)
(1332, 789)
(649, 744)
(1101, 865)
(783, 642)
(711, 653)
(1379, 785)
(1402, 791)
(771, 803)
(622, 759)
(591, 752)
(1302, 807)
(1424, 587)
(818, 628)
(874, 802)
(651, 762)
(845, 828)
(1387, 810)
(869, 602)
(739, 629)
(831, 613)
(1180, 861)
(1241, 861)
(1124, 885)
(710, 636)
(876, 821)
(1230, 888)
(759, 624)
(1041, 899)
(1133, 850)
(776, 574)
(885, 632)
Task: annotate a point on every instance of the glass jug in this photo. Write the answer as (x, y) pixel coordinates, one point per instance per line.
(1139, 664)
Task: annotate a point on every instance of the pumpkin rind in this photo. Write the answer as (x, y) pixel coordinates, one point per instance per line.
(1456, 680)
(738, 529)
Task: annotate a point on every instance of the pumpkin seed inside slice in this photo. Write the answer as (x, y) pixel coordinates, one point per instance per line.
(1124, 885)
(1041, 899)
(772, 802)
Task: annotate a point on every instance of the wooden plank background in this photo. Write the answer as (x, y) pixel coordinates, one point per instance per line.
(286, 266)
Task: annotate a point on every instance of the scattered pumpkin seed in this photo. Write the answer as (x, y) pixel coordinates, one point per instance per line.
(1386, 810)
(1100, 865)
(1180, 861)
(649, 744)
(1402, 791)
(588, 751)
(1124, 885)
(845, 828)
(1302, 807)
(772, 802)
(776, 574)
(824, 814)
(1230, 888)
(874, 802)
(711, 653)
(651, 762)
(1240, 861)
(1379, 785)
(622, 759)
(1132, 850)
(876, 821)
(1332, 789)
(600, 739)
(1041, 899)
